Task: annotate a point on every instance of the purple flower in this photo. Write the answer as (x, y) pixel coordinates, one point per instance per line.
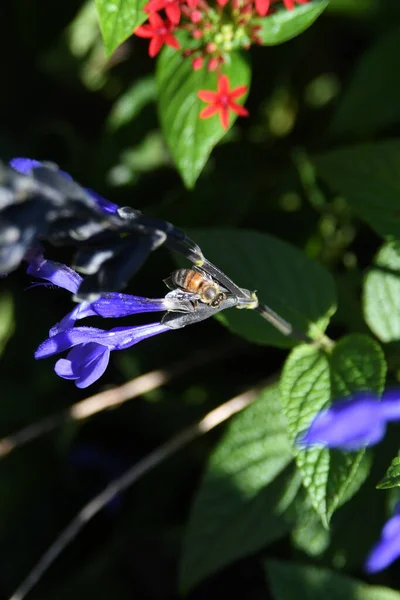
(387, 549)
(26, 165)
(91, 348)
(111, 305)
(354, 422)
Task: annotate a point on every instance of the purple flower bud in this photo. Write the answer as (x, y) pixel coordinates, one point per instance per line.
(387, 549)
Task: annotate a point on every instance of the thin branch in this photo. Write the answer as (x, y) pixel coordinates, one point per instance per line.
(211, 420)
(113, 397)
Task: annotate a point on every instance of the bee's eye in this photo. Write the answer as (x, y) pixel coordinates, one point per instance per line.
(210, 293)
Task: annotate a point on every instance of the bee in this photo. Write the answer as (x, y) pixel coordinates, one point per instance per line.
(195, 281)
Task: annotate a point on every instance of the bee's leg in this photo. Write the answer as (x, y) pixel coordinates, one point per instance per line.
(195, 303)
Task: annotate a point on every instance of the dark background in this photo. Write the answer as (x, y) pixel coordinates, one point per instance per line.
(56, 103)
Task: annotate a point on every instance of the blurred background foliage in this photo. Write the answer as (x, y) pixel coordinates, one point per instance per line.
(62, 100)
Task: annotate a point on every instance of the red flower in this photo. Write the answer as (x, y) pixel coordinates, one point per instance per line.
(171, 7)
(289, 4)
(262, 6)
(160, 33)
(221, 101)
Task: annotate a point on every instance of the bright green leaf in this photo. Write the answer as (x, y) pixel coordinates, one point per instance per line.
(357, 363)
(244, 494)
(368, 176)
(288, 281)
(191, 139)
(309, 380)
(305, 390)
(284, 24)
(381, 298)
(6, 319)
(392, 477)
(292, 582)
(372, 99)
(118, 19)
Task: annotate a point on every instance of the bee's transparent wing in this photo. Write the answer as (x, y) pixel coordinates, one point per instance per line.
(185, 300)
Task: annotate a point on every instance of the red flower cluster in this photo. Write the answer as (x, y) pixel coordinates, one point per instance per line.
(216, 29)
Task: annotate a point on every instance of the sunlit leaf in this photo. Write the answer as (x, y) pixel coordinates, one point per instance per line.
(287, 24)
(392, 477)
(189, 138)
(245, 492)
(118, 19)
(310, 379)
(382, 294)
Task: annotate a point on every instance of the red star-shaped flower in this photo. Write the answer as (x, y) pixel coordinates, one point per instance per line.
(160, 33)
(222, 101)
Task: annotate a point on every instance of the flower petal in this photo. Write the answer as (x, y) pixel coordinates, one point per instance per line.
(154, 6)
(224, 117)
(239, 109)
(171, 41)
(238, 91)
(24, 165)
(121, 305)
(155, 45)
(173, 12)
(117, 338)
(85, 364)
(144, 31)
(155, 20)
(348, 424)
(262, 7)
(56, 273)
(106, 205)
(209, 111)
(207, 96)
(223, 85)
(387, 549)
(391, 405)
(80, 311)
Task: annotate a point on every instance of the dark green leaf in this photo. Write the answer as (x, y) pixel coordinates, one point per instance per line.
(131, 102)
(241, 504)
(392, 477)
(292, 582)
(372, 99)
(287, 24)
(118, 19)
(191, 139)
(288, 281)
(309, 534)
(381, 298)
(368, 176)
(309, 380)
